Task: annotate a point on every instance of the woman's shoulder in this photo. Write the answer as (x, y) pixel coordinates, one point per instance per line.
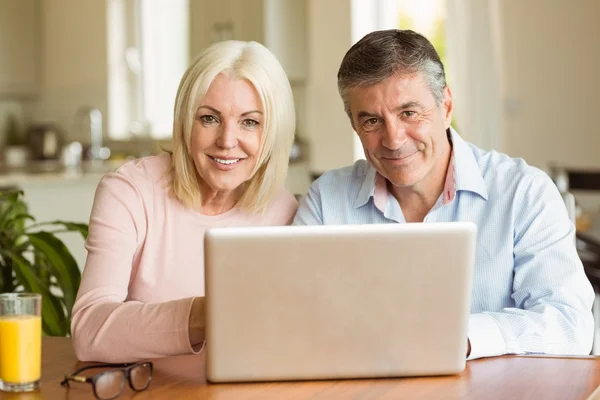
(140, 177)
(150, 169)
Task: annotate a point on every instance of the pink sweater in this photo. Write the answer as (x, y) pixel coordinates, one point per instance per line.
(146, 263)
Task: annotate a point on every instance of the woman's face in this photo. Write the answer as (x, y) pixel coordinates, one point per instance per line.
(226, 134)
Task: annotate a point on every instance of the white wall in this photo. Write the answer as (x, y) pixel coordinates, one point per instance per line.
(552, 81)
(19, 45)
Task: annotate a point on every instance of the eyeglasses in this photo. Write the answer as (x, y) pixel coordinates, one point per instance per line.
(109, 384)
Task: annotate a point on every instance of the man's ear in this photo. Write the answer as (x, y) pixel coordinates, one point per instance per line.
(447, 106)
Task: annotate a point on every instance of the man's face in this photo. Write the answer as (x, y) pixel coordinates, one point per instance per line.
(402, 129)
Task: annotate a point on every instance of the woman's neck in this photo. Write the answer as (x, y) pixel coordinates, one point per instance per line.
(215, 202)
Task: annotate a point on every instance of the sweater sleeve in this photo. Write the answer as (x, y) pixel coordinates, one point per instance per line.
(105, 325)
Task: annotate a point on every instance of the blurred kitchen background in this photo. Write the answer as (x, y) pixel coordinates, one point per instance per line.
(87, 84)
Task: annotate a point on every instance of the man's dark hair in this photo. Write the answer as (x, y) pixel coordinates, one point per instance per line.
(381, 54)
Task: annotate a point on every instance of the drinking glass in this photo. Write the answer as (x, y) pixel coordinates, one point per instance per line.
(20, 341)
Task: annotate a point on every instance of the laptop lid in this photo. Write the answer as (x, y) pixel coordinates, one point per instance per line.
(337, 301)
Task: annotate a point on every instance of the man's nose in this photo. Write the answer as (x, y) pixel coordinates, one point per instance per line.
(394, 135)
(228, 136)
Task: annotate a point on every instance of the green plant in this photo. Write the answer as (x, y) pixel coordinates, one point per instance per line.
(34, 259)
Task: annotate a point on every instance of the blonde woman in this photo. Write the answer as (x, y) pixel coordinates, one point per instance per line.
(142, 289)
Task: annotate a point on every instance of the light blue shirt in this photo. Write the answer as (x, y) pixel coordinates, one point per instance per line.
(530, 293)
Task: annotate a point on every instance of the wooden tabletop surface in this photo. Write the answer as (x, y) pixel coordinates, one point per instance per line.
(181, 377)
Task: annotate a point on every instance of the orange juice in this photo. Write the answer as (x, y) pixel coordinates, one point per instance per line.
(20, 348)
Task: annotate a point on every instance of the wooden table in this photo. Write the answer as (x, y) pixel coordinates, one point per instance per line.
(182, 377)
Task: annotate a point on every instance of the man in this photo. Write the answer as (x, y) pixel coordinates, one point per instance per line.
(530, 293)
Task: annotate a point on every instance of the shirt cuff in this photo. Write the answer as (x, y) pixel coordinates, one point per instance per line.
(485, 337)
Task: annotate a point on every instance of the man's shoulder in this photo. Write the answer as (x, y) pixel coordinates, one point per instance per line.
(343, 178)
(331, 195)
(500, 169)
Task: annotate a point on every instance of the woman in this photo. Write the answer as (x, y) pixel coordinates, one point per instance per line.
(141, 294)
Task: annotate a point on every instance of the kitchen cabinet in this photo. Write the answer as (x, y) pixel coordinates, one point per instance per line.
(285, 33)
(19, 48)
(280, 25)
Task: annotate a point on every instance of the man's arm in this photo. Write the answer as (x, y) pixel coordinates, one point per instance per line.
(553, 297)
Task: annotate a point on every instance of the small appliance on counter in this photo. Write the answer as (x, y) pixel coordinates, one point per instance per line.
(45, 142)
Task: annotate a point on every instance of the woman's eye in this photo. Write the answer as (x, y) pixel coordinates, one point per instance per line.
(208, 119)
(250, 123)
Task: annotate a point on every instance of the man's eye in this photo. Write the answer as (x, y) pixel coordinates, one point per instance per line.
(371, 121)
(409, 114)
(208, 119)
(250, 123)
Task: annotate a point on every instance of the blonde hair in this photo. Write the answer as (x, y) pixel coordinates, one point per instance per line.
(255, 63)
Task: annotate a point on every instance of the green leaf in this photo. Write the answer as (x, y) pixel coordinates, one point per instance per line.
(70, 226)
(10, 204)
(60, 327)
(19, 218)
(53, 316)
(51, 271)
(11, 196)
(61, 262)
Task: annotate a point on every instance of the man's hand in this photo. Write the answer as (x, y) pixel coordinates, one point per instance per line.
(196, 322)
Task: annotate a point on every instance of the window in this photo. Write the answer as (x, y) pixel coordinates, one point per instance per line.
(148, 53)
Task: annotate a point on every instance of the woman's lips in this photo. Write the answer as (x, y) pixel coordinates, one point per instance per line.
(226, 163)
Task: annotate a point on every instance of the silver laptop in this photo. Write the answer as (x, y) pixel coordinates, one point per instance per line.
(337, 301)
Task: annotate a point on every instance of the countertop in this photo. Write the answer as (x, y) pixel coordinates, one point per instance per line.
(52, 171)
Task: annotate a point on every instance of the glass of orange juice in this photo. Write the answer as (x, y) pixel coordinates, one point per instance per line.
(20, 341)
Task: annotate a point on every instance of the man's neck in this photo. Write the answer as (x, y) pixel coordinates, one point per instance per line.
(416, 201)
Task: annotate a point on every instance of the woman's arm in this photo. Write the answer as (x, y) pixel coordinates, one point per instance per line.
(196, 325)
(105, 326)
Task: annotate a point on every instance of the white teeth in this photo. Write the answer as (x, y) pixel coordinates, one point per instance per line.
(226, 162)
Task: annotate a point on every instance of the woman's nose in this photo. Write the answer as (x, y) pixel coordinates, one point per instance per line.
(228, 136)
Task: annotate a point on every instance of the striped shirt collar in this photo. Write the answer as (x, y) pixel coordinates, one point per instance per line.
(463, 174)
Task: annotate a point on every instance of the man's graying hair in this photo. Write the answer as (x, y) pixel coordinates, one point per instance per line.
(381, 54)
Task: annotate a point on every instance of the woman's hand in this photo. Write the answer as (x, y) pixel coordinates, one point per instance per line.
(196, 323)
